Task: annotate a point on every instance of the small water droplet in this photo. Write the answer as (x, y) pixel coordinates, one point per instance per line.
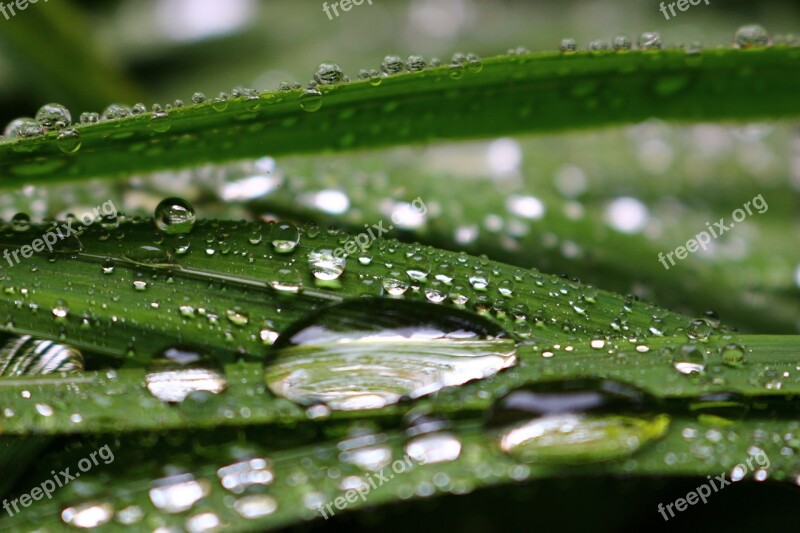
(650, 41)
(733, 355)
(69, 141)
(178, 493)
(311, 100)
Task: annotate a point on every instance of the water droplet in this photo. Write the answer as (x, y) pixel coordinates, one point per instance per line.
(116, 111)
(160, 122)
(575, 421)
(568, 45)
(239, 476)
(328, 73)
(174, 216)
(88, 515)
(255, 506)
(198, 98)
(20, 222)
(237, 317)
(325, 266)
(392, 65)
(286, 280)
(434, 448)
(69, 141)
(751, 36)
(23, 128)
(650, 41)
(284, 237)
(621, 43)
(178, 371)
(54, 117)
(699, 329)
(178, 493)
(371, 352)
(415, 63)
(689, 360)
(733, 355)
(311, 100)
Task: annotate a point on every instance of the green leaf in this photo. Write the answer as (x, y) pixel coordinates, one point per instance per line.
(527, 93)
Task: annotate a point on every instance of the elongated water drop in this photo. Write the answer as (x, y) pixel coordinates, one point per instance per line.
(575, 421)
(370, 352)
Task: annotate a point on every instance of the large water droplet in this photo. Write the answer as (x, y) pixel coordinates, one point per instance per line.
(325, 265)
(575, 421)
(174, 216)
(328, 73)
(54, 117)
(370, 352)
(751, 36)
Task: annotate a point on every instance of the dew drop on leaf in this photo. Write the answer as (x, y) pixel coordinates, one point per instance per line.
(174, 216)
(370, 352)
(574, 421)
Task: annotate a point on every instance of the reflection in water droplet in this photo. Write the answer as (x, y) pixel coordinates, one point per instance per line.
(575, 421)
(26, 355)
(370, 352)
